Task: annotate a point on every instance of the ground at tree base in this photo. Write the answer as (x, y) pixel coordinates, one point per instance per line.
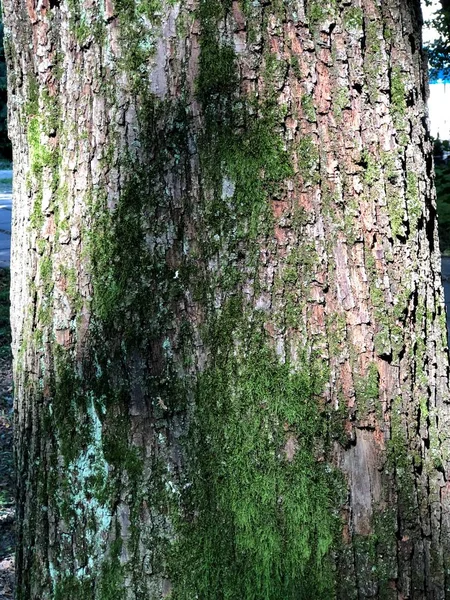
(7, 482)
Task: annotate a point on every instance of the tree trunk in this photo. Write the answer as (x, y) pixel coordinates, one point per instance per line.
(229, 332)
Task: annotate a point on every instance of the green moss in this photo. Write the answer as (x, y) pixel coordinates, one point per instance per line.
(398, 104)
(353, 18)
(258, 441)
(293, 282)
(398, 92)
(341, 100)
(139, 22)
(317, 11)
(371, 169)
(111, 581)
(337, 334)
(72, 588)
(253, 166)
(373, 60)
(376, 554)
(396, 212)
(308, 107)
(413, 201)
(37, 217)
(40, 156)
(251, 411)
(85, 25)
(383, 317)
(217, 78)
(264, 510)
(243, 158)
(43, 118)
(32, 104)
(108, 586)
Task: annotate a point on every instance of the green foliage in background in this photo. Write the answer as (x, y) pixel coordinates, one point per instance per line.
(442, 169)
(439, 50)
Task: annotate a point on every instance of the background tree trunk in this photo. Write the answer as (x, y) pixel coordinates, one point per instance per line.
(229, 334)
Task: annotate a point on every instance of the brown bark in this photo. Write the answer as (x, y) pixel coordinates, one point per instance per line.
(229, 332)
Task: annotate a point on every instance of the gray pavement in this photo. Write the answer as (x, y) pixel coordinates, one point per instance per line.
(5, 216)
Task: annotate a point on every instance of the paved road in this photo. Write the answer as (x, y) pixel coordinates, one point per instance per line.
(5, 216)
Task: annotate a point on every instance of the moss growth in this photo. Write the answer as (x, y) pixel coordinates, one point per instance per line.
(108, 586)
(398, 93)
(384, 320)
(84, 491)
(264, 510)
(308, 107)
(372, 170)
(40, 155)
(293, 282)
(255, 443)
(396, 212)
(217, 78)
(413, 202)
(111, 581)
(71, 588)
(341, 100)
(69, 277)
(258, 471)
(372, 59)
(43, 115)
(398, 104)
(376, 554)
(86, 25)
(139, 19)
(353, 18)
(317, 12)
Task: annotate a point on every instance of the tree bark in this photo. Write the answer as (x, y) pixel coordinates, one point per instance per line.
(231, 371)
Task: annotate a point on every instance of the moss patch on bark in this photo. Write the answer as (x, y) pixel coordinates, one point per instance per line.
(262, 503)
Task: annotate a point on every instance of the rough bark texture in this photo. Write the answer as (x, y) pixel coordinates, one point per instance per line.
(229, 334)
